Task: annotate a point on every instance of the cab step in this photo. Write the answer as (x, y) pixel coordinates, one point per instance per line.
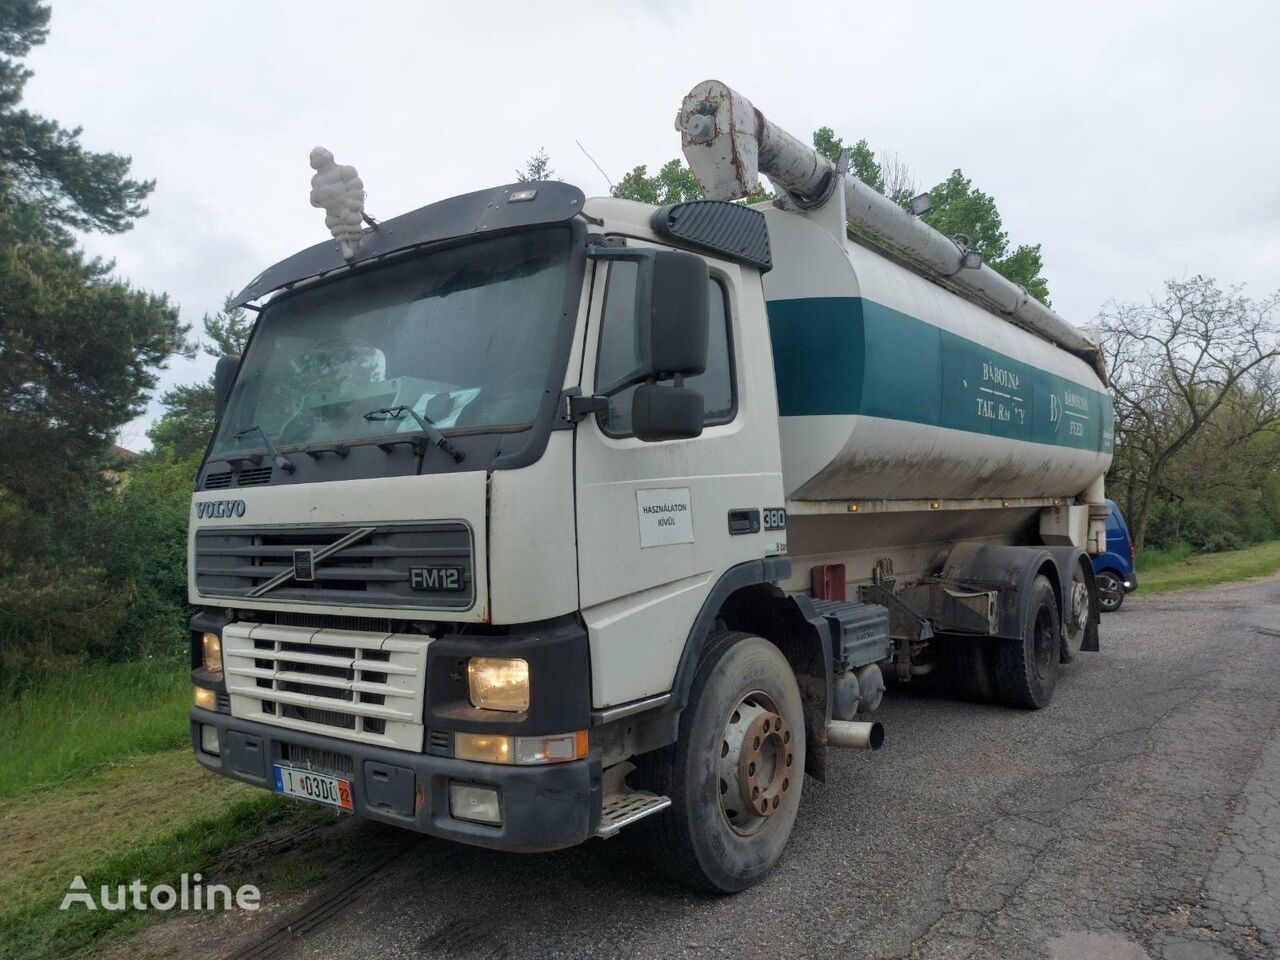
(622, 809)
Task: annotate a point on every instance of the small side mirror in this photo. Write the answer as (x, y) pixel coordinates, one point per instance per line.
(666, 413)
(224, 375)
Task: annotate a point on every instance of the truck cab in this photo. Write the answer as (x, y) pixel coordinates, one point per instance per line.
(450, 632)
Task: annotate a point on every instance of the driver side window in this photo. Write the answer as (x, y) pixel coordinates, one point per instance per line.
(619, 352)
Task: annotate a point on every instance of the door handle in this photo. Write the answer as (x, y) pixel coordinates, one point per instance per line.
(744, 521)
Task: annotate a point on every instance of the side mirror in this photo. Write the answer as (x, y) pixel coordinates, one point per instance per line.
(671, 314)
(678, 316)
(666, 413)
(224, 374)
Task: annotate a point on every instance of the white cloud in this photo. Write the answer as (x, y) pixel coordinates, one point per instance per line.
(1135, 141)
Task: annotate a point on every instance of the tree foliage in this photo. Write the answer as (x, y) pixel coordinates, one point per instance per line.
(1196, 377)
(89, 564)
(537, 167)
(78, 353)
(78, 348)
(43, 163)
(673, 183)
(960, 209)
(183, 430)
(862, 159)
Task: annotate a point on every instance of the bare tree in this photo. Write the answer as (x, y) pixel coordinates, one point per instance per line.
(1194, 355)
(537, 167)
(899, 182)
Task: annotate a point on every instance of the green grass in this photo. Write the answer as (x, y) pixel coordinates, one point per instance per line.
(97, 779)
(88, 716)
(1209, 568)
(1151, 558)
(150, 819)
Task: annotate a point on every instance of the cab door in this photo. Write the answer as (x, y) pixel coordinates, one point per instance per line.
(659, 522)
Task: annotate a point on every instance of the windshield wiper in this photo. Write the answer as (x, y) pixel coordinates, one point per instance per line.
(429, 429)
(278, 458)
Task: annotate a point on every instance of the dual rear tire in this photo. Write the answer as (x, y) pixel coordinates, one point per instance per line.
(1021, 671)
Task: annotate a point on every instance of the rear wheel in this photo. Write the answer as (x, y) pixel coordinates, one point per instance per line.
(1110, 591)
(1076, 612)
(735, 774)
(967, 665)
(1027, 668)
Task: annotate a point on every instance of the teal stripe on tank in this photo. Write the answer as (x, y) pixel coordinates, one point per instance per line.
(849, 355)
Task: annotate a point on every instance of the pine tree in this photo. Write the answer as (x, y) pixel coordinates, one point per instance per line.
(79, 348)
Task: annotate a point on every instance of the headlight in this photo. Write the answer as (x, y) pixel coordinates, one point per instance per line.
(498, 683)
(211, 652)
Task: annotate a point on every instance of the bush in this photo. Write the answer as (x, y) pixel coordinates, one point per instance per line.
(1235, 520)
(107, 583)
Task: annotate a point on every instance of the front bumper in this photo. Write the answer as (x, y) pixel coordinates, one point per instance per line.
(544, 807)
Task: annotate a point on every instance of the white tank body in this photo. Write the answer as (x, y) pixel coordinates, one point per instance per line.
(891, 387)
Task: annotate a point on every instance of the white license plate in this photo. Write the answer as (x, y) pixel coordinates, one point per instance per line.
(317, 787)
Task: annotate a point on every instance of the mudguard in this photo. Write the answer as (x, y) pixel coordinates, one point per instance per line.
(1010, 571)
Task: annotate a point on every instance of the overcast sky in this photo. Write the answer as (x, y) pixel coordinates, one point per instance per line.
(1135, 141)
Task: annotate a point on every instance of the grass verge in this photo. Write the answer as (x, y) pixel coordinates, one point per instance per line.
(1150, 558)
(150, 819)
(1211, 568)
(85, 717)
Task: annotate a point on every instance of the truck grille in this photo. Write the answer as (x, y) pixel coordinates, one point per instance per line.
(244, 477)
(356, 685)
(376, 569)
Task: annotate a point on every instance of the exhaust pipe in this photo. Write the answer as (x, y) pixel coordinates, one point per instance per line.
(854, 734)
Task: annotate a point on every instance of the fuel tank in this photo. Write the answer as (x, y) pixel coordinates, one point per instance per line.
(891, 387)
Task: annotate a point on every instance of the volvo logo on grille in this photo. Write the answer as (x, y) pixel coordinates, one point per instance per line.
(219, 508)
(304, 565)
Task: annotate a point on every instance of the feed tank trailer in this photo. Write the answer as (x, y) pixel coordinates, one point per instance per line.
(892, 387)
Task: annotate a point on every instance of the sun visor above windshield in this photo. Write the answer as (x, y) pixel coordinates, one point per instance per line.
(485, 212)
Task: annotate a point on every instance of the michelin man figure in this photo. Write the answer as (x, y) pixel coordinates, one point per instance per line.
(339, 191)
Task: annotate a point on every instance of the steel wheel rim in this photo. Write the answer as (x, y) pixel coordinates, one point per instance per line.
(1077, 613)
(756, 767)
(1110, 590)
(1044, 642)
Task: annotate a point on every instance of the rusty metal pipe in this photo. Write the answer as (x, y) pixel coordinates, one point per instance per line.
(857, 735)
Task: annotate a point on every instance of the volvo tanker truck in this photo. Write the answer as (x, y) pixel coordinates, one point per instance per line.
(530, 518)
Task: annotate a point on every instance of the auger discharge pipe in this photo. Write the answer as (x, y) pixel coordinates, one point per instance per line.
(728, 143)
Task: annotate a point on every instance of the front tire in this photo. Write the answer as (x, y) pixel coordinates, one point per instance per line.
(1110, 592)
(735, 774)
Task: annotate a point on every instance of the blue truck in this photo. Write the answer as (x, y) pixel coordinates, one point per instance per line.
(1114, 569)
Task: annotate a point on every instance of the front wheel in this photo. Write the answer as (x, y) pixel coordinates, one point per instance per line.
(736, 772)
(1110, 592)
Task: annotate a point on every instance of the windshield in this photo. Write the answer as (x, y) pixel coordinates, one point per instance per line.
(463, 337)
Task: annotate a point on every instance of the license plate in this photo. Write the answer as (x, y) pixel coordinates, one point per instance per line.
(317, 787)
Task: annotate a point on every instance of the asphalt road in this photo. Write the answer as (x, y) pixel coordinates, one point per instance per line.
(1138, 816)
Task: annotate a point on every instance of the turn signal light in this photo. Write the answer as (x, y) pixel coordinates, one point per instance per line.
(524, 751)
